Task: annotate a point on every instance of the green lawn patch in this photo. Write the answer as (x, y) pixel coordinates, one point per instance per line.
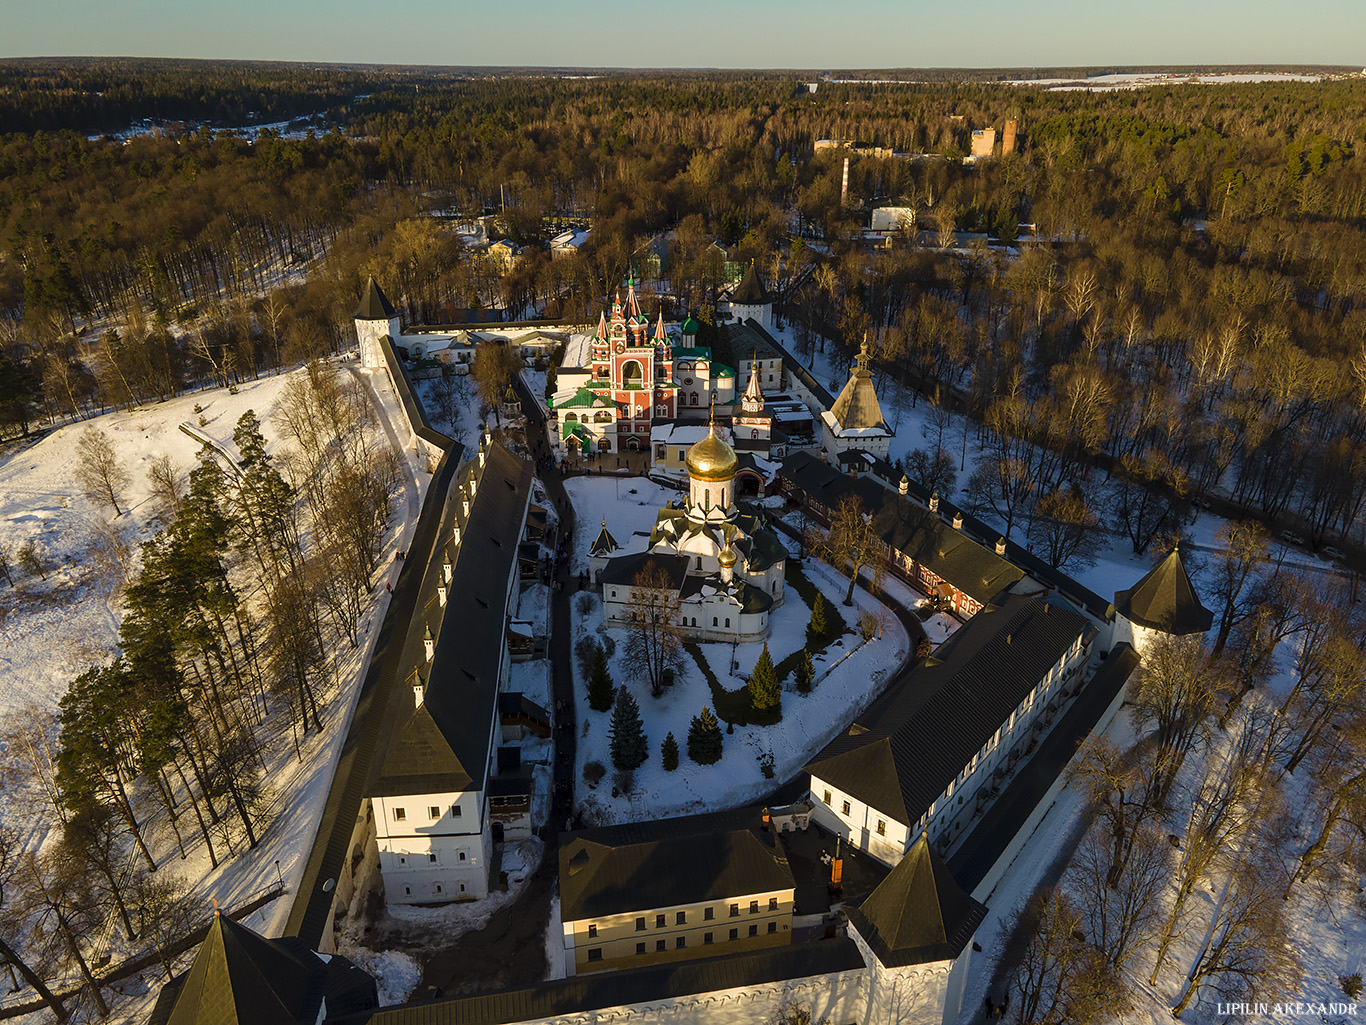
(732, 706)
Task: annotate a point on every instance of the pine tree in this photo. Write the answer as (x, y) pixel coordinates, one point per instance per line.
(630, 746)
(764, 692)
(818, 625)
(600, 689)
(806, 673)
(704, 738)
(669, 753)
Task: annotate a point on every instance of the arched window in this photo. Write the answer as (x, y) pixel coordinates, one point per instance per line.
(713, 620)
(754, 433)
(727, 622)
(571, 418)
(603, 416)
(632, 375)
(694, 399)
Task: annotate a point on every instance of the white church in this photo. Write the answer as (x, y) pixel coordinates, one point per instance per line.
(725, 565)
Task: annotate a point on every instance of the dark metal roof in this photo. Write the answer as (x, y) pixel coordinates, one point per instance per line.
(918, 913)
(623, 569)
(459, 707)
(632, 986)
(902, 753)
(1165, 600)
(239, 977)
(373, 305)
(373, 718)
(650, 865)
(750, 291)
(909, 528)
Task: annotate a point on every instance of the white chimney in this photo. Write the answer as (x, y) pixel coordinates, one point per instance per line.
(1000, 546)
(429, 642)
(934, 502)
(904, 486)
(957, 521)
(446, 569)
(441, 594)
(417, 693)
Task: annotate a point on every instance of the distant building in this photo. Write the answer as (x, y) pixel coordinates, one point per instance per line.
(506, 254)
(983, 142)
(893, 219)
(1008, 139)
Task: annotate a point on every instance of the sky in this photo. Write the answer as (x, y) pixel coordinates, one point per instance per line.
(701, 33)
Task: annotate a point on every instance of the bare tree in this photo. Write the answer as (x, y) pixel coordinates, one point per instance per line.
(654, 642)
(1245, 549)
(31, 560)
(11, 855)
(1064, 530)
(1120, 786)
(168, 911)
(1175, 696)
(1248, 952)
(495, 365)
(29, 738)
(1060, 976)
(62, 914)
(5, 564)
(1122, 914)
(166, 485)
(851, 544)
(98, 469)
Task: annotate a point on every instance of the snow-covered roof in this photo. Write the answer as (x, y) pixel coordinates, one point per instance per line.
(684, 434)
(577, 351)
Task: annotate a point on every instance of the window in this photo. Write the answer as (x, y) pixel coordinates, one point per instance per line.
(438, 887)
(713, 620)
(728, 622)
(773, 903)
(881, 828)
(680, 942)
(640, 948)
(400, 815)
(754, 930)
(754, 907)
(614, 592)
(682, 454)
(734, 910)
(462, 887)
(462, 855)
(735, 934)
(456, 811)
(592, 931)
(595, 954)
(661, 945)
(640, 925)
(431, 857)
(827, 798)
(708, 914)
(407, 891)
(846, 807)
(707, 937)
(433, 812)
(402, 860)
(681, 918)
(659, 921)
(772, 927)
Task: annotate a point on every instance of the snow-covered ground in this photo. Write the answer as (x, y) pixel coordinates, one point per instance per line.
(58, 628)
(850, 674)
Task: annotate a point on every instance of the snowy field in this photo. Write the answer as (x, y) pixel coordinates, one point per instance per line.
(53, 630)
(849, 675)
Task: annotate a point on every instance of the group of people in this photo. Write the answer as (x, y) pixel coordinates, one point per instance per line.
(995, 1010)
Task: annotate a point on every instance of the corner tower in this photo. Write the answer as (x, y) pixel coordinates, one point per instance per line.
(375, 317)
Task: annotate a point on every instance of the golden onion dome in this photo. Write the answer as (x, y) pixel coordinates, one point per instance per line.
(712, 459)
(727, 556)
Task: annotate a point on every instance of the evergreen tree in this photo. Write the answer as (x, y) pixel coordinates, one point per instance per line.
(630, 747)
(669, 753)
(600, 689)
(764, 692)
(806, 673)
(818, 626)
(704, 738)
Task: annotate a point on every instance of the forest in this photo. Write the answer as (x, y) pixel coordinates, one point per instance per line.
(1165, 282)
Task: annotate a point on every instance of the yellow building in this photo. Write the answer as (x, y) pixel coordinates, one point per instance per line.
(673, 890)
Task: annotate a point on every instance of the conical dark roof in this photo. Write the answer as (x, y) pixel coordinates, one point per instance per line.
(605, 543)
(373, 304)
(857, 406)
(919, 913)
(241, 978)
(1165, 600)
(750, 292)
